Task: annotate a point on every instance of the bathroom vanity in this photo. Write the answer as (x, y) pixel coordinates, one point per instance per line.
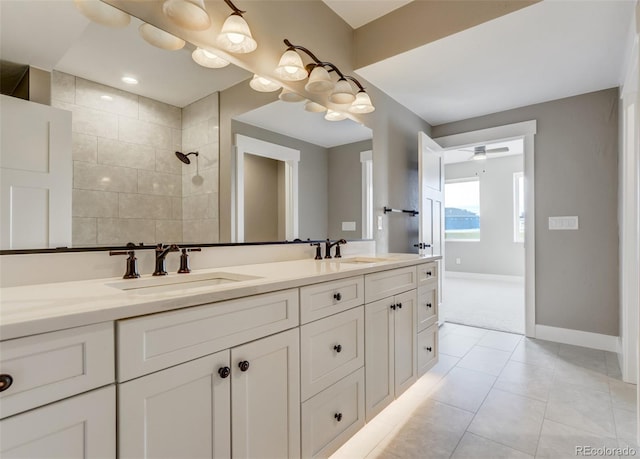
(284, 359)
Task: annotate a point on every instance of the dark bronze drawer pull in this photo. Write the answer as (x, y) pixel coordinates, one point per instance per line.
(5, 382)
(338, 416)
(337, 296)
(428, 349)
(244, 365)
(224, 372)
(337, 348)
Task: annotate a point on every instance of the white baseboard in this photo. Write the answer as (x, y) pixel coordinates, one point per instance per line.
(578, 338)
(479, 276)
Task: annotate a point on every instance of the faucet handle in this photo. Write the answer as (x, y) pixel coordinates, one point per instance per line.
(184, 260)
(132, 264)
(338, 244)
(318, 251)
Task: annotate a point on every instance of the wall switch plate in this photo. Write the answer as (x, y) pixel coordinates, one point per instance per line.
(458, 261)
(563, 223)
(379, 222)
(348, 226)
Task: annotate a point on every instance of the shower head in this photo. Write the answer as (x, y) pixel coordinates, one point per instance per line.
(184, 158)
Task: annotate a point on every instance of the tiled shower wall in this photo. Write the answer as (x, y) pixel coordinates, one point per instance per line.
(127, 182)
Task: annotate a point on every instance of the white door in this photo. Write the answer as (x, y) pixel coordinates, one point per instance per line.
(404, 337)
(36, 170)
(265, 400)
(80, 427)
(379, 356)
(431, 233)
(183, 411)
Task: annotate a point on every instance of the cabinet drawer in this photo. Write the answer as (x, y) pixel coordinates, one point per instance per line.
(322, 300)
(388, 283)
(427, 273)
(427, 349)
(333, 416)
(427, 306)
(331, 348)
(56, 365)
(158, 341)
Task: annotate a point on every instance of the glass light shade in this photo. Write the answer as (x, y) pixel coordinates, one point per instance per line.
(235, 36)
(160, 38)
(289, 96)
(362, 104)
(342, 94)
(188, 14)
(314, 107)
(262, 84)
(332, 115)
(290, 67)
(319, 80)
(208, 59)
(103, 13)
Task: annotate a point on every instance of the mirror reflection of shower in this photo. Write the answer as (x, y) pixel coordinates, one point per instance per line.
(185, 158)
(196, 179)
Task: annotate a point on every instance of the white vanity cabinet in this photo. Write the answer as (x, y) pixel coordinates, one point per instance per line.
(58, 397)
(427, 306)
(390, 337)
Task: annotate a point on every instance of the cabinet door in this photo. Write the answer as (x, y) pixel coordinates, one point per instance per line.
(265, 400)
(379, 356)
(405, 319)
(182, 411)
(79, 427)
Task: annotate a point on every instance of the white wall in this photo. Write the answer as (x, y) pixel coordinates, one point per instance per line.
(495, 252)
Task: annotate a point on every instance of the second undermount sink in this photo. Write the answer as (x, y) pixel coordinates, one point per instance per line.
(152, 285)
(364, 260)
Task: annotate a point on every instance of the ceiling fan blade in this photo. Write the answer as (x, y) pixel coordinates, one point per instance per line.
(498, 150)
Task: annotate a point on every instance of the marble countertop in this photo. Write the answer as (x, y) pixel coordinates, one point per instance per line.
(34, 309)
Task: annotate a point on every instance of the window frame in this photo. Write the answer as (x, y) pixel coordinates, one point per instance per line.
(463, 180)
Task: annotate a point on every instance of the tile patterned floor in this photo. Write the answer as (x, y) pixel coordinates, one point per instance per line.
(500, 395)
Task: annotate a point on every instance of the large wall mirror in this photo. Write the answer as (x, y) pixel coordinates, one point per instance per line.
(128, 185)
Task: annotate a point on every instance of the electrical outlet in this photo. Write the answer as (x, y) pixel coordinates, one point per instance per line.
(458, 261)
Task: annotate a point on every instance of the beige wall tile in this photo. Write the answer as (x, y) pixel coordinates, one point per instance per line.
(208, 155)
(197, 207)
(176, 208)
(63, 87)
(169, 231)
(176, 139)
(144, 206)
(159, 183)
(160, 113)
(208, 183)
(145, 133)
(195, 136)
(89, 94)
(89, 176)
(201, 110)
(84, 232)
(166, 161)
(84, 147)
(89, 203)
(200, 231)
(213, 130)
(118, 231)
(90, 121)
(117, 153)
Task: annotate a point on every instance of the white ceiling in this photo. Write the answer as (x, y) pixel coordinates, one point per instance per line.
(516, 147)
(292, 120)
(357, 13)
(546, 51)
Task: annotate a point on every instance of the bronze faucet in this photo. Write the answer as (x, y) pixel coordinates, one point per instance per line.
(329, 244)
(132, 264)
(161, 254)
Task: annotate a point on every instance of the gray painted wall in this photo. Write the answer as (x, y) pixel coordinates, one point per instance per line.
(576, 161)
(345, 188)
(312, 179)
(495, 252)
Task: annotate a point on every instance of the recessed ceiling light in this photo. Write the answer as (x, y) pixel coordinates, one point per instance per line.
(129, 80)
(105, 97)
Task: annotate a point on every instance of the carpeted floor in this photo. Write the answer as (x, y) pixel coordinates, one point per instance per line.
(493, 304)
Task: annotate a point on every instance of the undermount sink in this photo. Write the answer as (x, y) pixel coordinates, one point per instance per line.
(363, 260)
(152, 285)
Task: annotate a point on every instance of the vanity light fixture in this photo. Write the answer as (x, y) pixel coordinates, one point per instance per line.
(129, 80)
(291, 68)
(159, 38)
(208, 59)
(262, 84)
(314, 107)
(188, 14)
(333, 115)
(235, 35)
(289, 96)
(103, 13)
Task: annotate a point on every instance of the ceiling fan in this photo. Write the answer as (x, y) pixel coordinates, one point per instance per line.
(481, 152)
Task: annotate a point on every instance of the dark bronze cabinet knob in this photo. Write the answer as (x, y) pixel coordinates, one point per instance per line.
(428, 273)
(338, 416)
(244, 365)
(393, 306)
(337, 348)
(428, 305)
(5, 382)
(224, 372)
(337, 296)
(428, 349)
(399, 305)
